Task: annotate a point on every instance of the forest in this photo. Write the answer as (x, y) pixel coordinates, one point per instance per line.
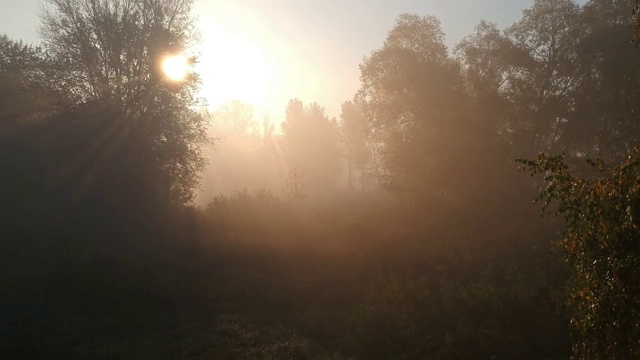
(476, 201)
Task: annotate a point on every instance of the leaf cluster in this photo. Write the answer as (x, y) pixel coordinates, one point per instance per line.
(601, 245)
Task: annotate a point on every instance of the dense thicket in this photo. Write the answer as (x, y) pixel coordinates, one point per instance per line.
(600, 245)
(436, 253)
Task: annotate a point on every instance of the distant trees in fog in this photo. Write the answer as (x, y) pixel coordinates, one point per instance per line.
(311, 144)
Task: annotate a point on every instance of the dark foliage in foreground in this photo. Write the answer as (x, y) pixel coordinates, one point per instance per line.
(254, 276)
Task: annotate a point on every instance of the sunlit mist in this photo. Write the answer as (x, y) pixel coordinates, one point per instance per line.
(232, 66)
(176, 67)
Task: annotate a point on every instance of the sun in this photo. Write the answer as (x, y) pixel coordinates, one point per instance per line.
(176, 67)
(232, 66)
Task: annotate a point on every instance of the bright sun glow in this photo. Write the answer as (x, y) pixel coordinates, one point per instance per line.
(175, 67)
(232, 66)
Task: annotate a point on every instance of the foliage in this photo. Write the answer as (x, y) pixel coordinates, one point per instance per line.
(27, 88)
(603, 125)
(413, 95)
(111, 51)
(311, 143)
(544, 75)
(425, 119)
(233, 338)
(235, 118)
(354, 140)
(388, 288)
(600, 245)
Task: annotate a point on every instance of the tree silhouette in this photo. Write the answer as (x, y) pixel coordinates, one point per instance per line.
(355, 141)
(235, 117)
(111, 51)
(545, 38)
(420, 111)
(311, 142)
(603, 124)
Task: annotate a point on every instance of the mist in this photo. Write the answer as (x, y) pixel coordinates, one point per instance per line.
(467, 200)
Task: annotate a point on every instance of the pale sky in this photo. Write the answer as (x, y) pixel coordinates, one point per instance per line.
(309, 49)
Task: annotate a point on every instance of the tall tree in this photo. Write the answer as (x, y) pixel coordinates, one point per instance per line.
(546, 37)
(112, 51)
(604, 123)
(489, 62)
(311, 141)
(354, 139)
(235, 118)
(487, 56)
(417, 102)
(26, 93)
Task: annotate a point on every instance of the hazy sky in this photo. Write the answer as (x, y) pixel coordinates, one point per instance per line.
(308, 49)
